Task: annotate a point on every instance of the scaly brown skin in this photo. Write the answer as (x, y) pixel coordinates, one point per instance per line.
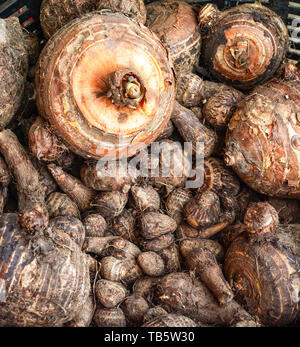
(109, 317)
(244, 45)
(110, 204)
(31, 195)
(263, 267)
(110, 294)
(145, 198)
(103, 102)
(59, 204)
(155, 224)
(124, 225)
(175, 203)
(262, 141)
(46, 276)
(95, 225)
(288, 209)
(73, 187)
(176, 25)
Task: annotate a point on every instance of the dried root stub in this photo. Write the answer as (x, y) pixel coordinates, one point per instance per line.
(14, 66)
(243, 45)
(175, 23)
(45, 277)
(55, 14)
(109, 104)
(262, 264)
(262, 141)
(134, 9)
(109, 317)
(31, 194)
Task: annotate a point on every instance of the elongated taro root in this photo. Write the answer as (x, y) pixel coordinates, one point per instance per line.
(193, 131)
(243, 45)
(14, 66)
(45, 276)
(175, 23)
(59, 204)
(31, 195)
(55, 14)
(179, 293)
(134, 9)
(73, 187)
(262, 264)
(114, 99)
(262, 141)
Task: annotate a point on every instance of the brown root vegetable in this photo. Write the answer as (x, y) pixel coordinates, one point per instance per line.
(31, 195)
(124, 226)
(85, 317)
(134, 308)
(151, 263)
(170, 320)
(32, 45)
(134, 9)
(55, 14)
(185, 231)
(158, 243)
(179, 293)
(175, 23)
(5, 176)
(154, 312)
(191, 245)
(175, 203)
(145, 198)
(59, 204)
(244, 45)
(109, 317)
(174, 165)
(143, 286)
(167, 132)
(112, 269)
(171, 258)
(43, 143)
(110, 204)
(109, 293)
(71, 226)
(288, 210)
(109, 105)
(3, 198)
(96, 244)
(263, 267)
(192, 130)
(205, 265)
(133, 271)
(46, 179)
(95, 225)
(121, 249)
(73, 187)
(106, 178)
(45, 276)
(155, 224)
(203, 210)
(14, 66)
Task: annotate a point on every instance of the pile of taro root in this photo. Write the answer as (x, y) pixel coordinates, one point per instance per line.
(216, 240)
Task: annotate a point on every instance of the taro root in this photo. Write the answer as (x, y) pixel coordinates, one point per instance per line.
(110, 204)
(145, 198)
(31, 195)
(154, 312)
(118, 85)
(170, 320)
(73, 187)
(124, 225)
(134, 9)
(158, 243)
(108, 177)
(95, 225)
(143, 286)
(151, 263)
(155, 224)
(109, 293)
(45, 276)
(262, 141)
(192, 130)
(288, 210)
(179, 293)
(134, 308)
(85, 317)
(175, 203)
(203, 210)
(59, 204)
(171, 258)
(45, 177)
(14, 66)
(120, 249)
(5, 176)
(55, 14)
(262, 265)
(244, 45)
(109, 317)
(112, 269)
(176, 25)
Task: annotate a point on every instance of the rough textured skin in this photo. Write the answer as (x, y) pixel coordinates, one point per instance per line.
(59, 204)
(46, 277)
(85, 317)
(155, 224)
(145, 198)
(245, 45)
(288, 210)
(109, 293)
(134, 9)
(13, 68)
(175, 23)
(262, 142)
(151, 263)
(171, 258)
(54, 14)
(124, 225)
(95, 225)
(134, 308)
(158, 243)
(109, 317)
(170, 320)
(264, 273)
(175, 203)
(110, 204)
(72, 83)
